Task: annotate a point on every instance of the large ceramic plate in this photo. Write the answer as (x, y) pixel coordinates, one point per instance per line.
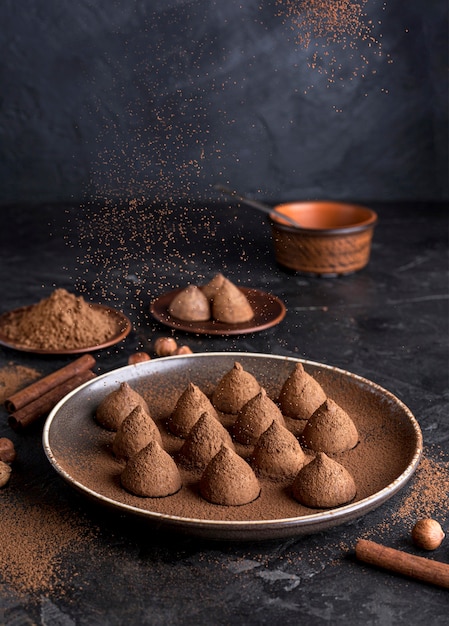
(268, 311)
(80, 450)
(122, 323)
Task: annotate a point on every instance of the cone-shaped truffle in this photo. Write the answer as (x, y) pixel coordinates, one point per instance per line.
(277, 453)
(211, 288)
(230, 305)
(113, 409)
(323, 483)
(229, 480)
(188, 409)
(330, 430)
(234, 390)
(190, 305)
(151, 473)
(255, 417)
(203, 442)
(301, 394)
(134, 433)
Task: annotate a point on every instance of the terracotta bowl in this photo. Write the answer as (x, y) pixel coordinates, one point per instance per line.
(333, 238)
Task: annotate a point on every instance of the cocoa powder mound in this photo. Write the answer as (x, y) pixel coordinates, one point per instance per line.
(61, 321)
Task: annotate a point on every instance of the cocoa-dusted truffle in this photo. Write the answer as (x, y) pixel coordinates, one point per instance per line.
(229, 480)
(203, 442)
(151, 473)
(277, 453)
(234, 390)
(134, 433)
(210, 289)
(301, 394)
(119, 403)
(189, 406)
(190, 305)
(255, 417)
(323, 483)
(330, 430)
(230, 305)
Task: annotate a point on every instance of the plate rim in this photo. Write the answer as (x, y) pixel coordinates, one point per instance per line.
(7, 343)
(228, 329)
(238, 529)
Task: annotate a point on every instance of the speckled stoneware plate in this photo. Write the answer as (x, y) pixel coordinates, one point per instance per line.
(122, 323)
(268, 311)
(79, 449)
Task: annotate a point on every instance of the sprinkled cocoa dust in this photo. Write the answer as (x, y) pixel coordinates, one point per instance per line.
(13, 378)
(34, 538)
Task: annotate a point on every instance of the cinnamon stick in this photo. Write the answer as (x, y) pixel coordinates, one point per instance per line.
(43, 405)
(417, 567)
(42, 386)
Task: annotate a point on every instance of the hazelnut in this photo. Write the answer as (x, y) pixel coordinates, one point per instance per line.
(138, 357)
(183, 350)
(427, 534)
(5, 473)
(7, 451)
(165, 346)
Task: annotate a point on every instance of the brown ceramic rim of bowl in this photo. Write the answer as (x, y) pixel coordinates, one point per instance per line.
(368, 222)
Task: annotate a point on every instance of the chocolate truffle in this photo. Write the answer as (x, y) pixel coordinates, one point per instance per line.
(277, 454)
(211, 288)
(323, 483)
(330, 430)
(203, 442)
(234, 390)
(229, 480)
(119, 403)
(134, 433)
(255, 417)
(301, 394)
(188, 409)
(190, 305)
(230, 305)
(151, 473)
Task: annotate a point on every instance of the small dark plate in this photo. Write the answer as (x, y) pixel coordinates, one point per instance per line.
(123, 329)
(268, 311)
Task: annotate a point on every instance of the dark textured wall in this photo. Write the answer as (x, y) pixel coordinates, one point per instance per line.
(161, 99)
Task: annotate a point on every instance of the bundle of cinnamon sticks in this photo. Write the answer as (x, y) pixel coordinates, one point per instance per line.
(39, 398)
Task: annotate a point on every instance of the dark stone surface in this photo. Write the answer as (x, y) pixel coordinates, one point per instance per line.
(388, 323)
(164, 99)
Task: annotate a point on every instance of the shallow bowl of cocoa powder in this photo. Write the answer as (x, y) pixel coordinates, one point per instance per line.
(79, 449)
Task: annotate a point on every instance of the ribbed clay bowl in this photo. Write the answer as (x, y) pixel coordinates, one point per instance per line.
(334, 237)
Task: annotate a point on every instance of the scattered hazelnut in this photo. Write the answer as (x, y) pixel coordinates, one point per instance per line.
(5, 473)
(7, 451)
(138, 357)
(165, 346)
(183, 350)
(427, 534)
